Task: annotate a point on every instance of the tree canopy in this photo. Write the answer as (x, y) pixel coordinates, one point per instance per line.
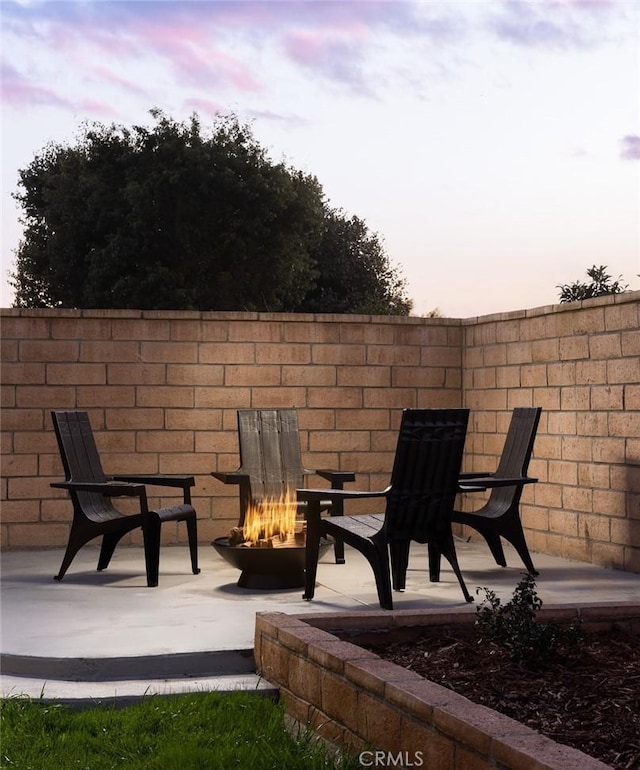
(171, 217)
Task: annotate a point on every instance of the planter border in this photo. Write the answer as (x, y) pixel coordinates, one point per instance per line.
(353, 698)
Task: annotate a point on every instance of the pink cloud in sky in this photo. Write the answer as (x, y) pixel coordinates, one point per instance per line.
(332, 56)
(197, 41)
(17, 89)
(108, 76)
(204, 45)
(630, 147)
(204, 106)
(555, 24)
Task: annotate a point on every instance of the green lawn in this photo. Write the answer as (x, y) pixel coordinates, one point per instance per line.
(203, 730)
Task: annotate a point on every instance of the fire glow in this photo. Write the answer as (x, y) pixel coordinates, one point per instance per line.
(270, 523)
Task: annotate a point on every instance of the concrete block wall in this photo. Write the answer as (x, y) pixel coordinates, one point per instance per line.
(581, 363)
(162, 389)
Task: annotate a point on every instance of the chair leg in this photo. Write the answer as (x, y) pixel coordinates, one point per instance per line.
(312, 551)
(376, 552)
(399, 562)
(495, 546)
(435, 557)
(514, 534)
(151, 536)
(337, 509)
(192, 533)
(109, 542)
(380, 565)
(73, 546)
(448, 549)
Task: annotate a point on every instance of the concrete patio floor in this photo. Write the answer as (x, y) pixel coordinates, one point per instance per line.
(99, 636)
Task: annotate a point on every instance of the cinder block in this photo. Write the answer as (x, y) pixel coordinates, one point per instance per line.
(227, 353)
(624, 424)
(574, 347)
(561, 373)
(391, 355)
(267, 353)
(256, 331)
(623, 370)
(198, 330)
(17, 373)
(533, 375)
(609, 502)
(76, 374)
(140, 329)
(607, 397)
(339, 700)
(519, 353)
(135, 374)
(591, 372)
(45, 397)
(165, 396)
(631, 343)
(108, 351)
(545, 350)
(303, 376)
(622, 316)
(378, 722)
(370, 376)
(325, 333)
(37, 535)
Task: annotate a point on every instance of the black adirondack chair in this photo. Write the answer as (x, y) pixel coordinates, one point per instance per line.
(271, 463)
(418, 505)
(500, 516)
(91, 491)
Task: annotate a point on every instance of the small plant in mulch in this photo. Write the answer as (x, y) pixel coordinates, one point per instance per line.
(515, 626)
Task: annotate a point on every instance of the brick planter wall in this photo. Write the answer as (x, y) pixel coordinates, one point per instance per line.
(162, 389)
(354, 699)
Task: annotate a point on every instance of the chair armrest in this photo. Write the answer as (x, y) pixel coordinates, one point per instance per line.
(481, 483)
(474, 475)
(109, 488)
(336, 494)
(172, 480)
(337, 478)
(230, 477)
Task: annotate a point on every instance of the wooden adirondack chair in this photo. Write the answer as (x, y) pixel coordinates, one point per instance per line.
(91, 491)
(271, 463)
(500, 516)
(418, 505)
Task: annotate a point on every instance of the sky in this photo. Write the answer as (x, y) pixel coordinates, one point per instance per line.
(493, 145)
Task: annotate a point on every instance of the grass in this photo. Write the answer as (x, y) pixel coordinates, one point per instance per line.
(183, 732)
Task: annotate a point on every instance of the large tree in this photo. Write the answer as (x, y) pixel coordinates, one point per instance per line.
(355, 275)
(171, 217)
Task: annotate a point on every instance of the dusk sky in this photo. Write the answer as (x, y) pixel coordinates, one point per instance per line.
(494, 145)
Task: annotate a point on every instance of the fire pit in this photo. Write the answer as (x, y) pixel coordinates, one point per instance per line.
(270, 548)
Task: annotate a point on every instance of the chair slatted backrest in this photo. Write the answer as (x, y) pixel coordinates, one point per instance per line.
(270, 451)
(425, 473)
(518, 447)
(80, 460)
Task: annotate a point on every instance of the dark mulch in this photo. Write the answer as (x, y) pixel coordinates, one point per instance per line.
(588, 699)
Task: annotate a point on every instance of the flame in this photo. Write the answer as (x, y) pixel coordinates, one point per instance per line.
(273, 516)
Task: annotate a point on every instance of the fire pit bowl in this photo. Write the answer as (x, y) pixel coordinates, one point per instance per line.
(266, 568)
